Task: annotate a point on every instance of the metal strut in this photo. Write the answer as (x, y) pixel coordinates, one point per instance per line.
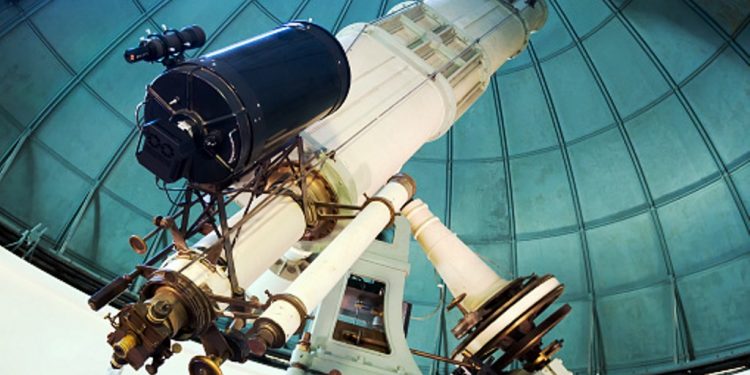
(320, 215)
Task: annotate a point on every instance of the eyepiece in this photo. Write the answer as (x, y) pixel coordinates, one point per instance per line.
(124, 346)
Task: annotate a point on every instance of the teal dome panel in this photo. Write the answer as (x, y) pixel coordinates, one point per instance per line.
(30, 77)
(541, 195)
(573, 90)
(482, 139)
(613, 153)
(561, 256)
(724, 121)
(624, 342)
(625, 254)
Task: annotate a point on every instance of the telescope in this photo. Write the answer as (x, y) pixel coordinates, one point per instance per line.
(209, 119)
(307, 132)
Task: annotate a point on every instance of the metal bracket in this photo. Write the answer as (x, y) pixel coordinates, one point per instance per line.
(387, 203)
(369, 200)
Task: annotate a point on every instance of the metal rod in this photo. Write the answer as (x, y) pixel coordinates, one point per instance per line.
(442, 359)
(222, 118)
(227, 245)
(158, 256)
(327, 216)
(302, 181)
(185, 211)
(158, 228)
(163, 103)
(338, 205)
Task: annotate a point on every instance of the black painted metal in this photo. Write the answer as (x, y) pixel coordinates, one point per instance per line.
(209, 119)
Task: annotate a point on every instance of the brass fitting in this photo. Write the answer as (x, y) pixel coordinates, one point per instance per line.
(205, 365)
(304, 343)
(138, 244)
(166, 306)
(317, 189)
(264, 334)
(125, 344)
(407, 182)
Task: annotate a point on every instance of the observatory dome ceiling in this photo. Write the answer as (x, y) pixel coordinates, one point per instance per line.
(612, 153)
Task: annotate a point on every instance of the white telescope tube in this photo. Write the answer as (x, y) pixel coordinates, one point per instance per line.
(338, 257)
(461, 269)
(263, 239)
(500, 42)
(413, 74)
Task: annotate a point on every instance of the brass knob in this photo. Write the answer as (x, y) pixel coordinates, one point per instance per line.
(138, 244)
(159, 311)
(205, 365)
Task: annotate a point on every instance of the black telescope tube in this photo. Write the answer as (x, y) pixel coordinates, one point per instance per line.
(211, 118)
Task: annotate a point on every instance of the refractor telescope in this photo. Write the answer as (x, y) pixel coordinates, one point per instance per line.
(307, 132)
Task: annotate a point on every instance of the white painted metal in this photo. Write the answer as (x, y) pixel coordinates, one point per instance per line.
(465, 273)
(480, 19)
(295, 255)
(377, 129)
(461, 269)
(262, 239)
(555, 367)
(387, 263)
(271, 281)
(200, 272)
(334, 262)
(402, 96)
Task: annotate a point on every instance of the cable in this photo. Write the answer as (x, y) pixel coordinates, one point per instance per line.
(436, 309)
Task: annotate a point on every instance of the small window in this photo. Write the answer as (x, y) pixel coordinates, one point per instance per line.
(360, 320)
(387, 234)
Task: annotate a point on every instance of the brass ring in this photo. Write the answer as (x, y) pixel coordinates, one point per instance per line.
(387, 203)
(296, 303)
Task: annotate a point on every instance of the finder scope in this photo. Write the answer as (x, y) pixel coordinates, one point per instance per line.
(168, 44)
